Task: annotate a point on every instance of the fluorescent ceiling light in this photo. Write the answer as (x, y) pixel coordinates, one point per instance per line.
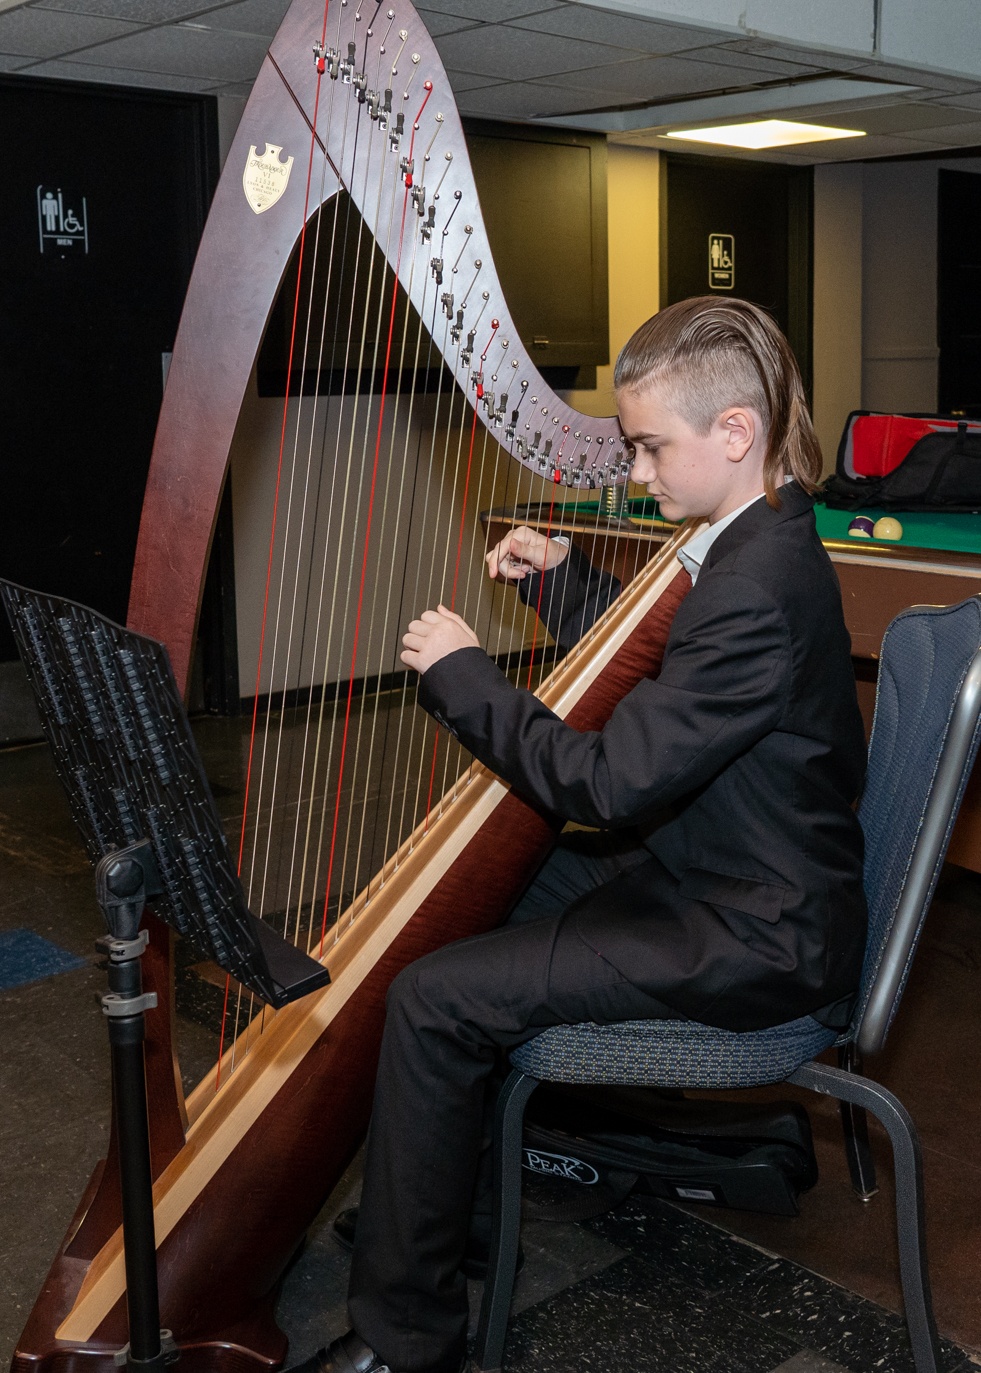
(764, 133)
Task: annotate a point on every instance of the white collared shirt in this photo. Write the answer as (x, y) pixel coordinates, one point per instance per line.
(696, 549)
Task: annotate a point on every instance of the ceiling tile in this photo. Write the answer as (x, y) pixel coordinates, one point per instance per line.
(490, 11)
(902, 118)
(142, 11)
(470, 81)
(600, 26)
(48, 33)
(653, 79)
(247, 16)
(509, 52)
(184, 50)
(438, 24)
(960, 135)
(234, 90)
(885, 72)
(960, 102)
(120, 76)
(785, 52)
(877, 145)
(11, 62)
(523, 100)
(726, 56)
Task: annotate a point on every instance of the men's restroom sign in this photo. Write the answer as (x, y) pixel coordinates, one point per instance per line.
(722, 262)
(62, 222)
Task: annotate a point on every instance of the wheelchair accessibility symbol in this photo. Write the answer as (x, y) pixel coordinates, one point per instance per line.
(62, 222)
(722, 262)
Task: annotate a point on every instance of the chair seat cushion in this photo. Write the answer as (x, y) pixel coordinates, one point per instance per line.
(671, 1053)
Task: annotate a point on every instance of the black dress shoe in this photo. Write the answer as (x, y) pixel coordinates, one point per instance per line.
(349, 1354)
(474, 1260)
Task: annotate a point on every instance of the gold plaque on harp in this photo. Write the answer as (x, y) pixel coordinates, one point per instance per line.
(264, 179)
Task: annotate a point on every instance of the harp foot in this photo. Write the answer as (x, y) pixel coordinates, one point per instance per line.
(256, 1345)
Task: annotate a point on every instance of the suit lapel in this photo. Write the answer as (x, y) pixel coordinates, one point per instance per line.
(759, 519)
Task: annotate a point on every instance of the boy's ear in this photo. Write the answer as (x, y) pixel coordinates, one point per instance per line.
(740, 426)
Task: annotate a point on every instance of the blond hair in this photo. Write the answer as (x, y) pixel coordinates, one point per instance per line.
(709, 354)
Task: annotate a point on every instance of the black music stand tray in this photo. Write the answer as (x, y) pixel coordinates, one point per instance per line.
(123, 749)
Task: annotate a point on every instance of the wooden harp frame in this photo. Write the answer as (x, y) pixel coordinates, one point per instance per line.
(240, 1175)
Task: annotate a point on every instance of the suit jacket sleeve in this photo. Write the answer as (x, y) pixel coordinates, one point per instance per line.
(570, 598)
(725, 682)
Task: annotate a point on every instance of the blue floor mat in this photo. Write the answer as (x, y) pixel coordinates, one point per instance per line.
(26, 957)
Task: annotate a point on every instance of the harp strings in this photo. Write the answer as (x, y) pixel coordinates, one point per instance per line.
(362, 482)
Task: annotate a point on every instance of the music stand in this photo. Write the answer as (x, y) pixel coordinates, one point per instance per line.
(123, 749)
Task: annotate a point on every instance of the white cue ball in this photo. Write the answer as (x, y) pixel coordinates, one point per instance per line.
(887, 528)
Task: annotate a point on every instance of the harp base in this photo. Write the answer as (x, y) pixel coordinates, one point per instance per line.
(253, 1345)
(256, 1345)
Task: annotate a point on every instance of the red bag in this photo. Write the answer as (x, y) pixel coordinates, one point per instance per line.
(873, 445)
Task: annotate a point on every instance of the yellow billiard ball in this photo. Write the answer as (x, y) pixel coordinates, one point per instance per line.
(887, 528)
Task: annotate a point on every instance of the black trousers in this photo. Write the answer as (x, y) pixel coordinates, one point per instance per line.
(452, 1017)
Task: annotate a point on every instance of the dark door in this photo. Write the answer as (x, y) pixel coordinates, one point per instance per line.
(744, 229)
(959, 292)
(100, 222)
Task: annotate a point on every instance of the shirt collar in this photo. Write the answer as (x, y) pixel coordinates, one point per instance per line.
(695, 551)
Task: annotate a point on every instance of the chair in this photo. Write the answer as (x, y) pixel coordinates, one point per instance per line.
(924, 740)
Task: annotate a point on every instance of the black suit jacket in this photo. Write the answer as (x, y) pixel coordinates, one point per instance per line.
(739, 765)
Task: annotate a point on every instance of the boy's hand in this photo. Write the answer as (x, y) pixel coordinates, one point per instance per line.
(434, 635)
(523, 551)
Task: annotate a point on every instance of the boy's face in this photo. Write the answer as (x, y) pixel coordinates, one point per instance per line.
(690, 474)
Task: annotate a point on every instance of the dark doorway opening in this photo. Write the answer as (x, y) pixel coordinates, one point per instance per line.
(744, 229)
(100, 231)
(959, 293)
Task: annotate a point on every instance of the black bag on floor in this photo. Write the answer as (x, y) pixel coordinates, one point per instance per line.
(598, 1144)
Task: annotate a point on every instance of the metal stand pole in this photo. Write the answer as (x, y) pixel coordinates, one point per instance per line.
(124, 879)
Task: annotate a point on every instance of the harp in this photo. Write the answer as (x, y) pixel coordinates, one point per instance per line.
(351, 105)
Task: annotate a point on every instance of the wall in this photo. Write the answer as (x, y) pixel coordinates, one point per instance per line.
(837, 317)
(634, 282)
(425, 543)
(899, 282)
(899, 286)
(634, 247)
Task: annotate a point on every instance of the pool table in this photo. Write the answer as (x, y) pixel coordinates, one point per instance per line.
(937, 562)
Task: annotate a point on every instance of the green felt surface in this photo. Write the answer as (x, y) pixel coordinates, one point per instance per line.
(951, 533)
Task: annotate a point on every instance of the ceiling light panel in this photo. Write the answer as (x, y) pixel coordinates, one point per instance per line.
(764, 133)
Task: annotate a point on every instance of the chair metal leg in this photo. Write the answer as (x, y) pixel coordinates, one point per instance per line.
(861, 1091)
(855, 1127)
(506, 1224)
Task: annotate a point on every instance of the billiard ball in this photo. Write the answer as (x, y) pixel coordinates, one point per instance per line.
(887, 528)
(860, 527)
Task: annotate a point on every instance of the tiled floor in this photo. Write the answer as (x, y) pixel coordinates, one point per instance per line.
(646, 1288)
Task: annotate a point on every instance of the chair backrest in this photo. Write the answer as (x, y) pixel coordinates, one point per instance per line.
(924, 740)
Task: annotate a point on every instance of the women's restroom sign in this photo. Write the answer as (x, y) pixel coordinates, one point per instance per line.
(722, 262)
(62, 222)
